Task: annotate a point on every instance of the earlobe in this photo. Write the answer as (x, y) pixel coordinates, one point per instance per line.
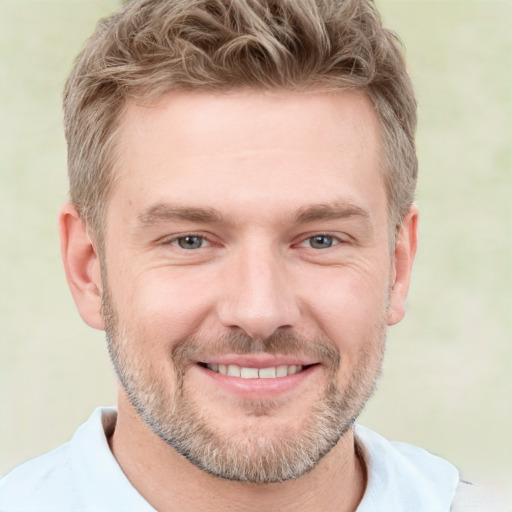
(405, 251)
(82, 265)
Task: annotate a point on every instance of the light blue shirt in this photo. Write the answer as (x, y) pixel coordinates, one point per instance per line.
(84, 476)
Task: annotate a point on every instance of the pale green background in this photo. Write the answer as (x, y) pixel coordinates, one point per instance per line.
(447, 381)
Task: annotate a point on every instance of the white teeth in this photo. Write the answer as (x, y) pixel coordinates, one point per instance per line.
(271, 372)
(249, 373)
(282, 371)
(233, 370)
(267, 373)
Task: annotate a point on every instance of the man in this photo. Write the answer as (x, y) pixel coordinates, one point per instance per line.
(242, 227)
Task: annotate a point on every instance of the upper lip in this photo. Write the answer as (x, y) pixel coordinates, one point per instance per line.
(259, 360)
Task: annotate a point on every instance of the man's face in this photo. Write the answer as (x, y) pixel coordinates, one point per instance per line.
(248, 274)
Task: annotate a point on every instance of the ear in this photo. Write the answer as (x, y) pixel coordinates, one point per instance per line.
(405, 250)
(82, 265)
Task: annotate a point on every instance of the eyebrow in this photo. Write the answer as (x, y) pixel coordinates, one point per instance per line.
(330, 211)
(167, 213)
(162, 212)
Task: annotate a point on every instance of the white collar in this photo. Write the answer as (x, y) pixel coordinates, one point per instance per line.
(100, 481)
(404, 478)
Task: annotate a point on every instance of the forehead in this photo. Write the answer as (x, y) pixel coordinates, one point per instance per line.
(251, 117)
(249, 147)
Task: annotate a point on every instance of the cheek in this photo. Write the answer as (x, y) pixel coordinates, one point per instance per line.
(351, 305)
(161, 304)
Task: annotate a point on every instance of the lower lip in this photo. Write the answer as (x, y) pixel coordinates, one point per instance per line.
(257, 389)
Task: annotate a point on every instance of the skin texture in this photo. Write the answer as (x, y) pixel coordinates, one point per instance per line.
(255, 177)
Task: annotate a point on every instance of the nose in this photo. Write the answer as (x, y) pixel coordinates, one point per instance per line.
(259, 296)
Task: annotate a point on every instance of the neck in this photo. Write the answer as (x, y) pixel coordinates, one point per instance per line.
(170, 483)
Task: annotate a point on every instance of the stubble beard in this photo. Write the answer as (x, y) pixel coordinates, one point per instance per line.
(256, 456)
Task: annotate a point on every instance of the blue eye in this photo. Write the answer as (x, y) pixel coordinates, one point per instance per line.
(190, 242)
(321, 241)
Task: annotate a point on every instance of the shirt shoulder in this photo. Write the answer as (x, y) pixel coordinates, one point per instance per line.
(471, 497)
(42, 484)
(80, 476)
(403, 477)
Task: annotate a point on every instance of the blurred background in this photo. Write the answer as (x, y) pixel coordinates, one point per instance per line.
(447, 382)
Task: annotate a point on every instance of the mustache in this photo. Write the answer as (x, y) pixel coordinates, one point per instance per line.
(195, 348)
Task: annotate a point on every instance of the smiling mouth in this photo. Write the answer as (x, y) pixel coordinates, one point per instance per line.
(271, 372)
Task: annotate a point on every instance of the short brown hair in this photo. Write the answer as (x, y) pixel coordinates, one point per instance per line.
(151, 47)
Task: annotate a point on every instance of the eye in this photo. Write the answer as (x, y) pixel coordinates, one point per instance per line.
(190, 242)
(322, 241)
